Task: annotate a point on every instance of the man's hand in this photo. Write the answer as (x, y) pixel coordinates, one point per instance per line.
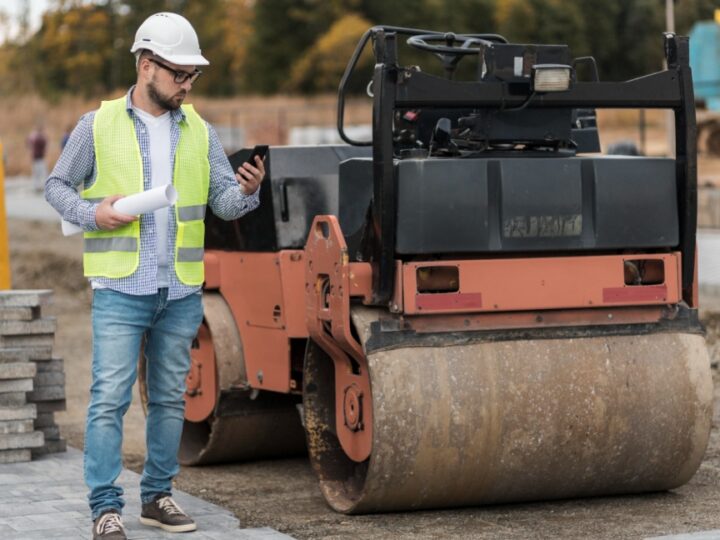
(250, 177)
(109, 219)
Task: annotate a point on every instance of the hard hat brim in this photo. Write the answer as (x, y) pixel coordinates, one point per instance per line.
(179, 59)
(185, 60)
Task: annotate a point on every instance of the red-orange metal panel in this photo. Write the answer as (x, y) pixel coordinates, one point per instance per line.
(252, 286)
(541, 283)
(267, 358)
(212, 270)
(292, 274)
(453, 301)
(618, 295)
(257, 275)
(463, 322)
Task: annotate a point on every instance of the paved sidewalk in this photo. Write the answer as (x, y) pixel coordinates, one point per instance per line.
(22, 201)
(703, 535)
(45, 498)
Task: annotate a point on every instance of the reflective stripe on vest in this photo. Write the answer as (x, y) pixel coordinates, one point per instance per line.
(118, 243)
(190, 254)
(116, 254)
(191, 213)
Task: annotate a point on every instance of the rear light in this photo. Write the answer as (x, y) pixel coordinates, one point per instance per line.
(551, 77)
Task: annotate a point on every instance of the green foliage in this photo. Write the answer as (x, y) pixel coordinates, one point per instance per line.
(322, 65)
(687, 12)
(73, 51)
(269, 46)
(283, 30)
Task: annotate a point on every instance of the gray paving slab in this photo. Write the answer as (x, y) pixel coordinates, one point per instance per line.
(19, 313)
(25, 298)
(20, 412)
(16, 426)
(10, 441)
(14, 456)
(18, 370)
(45, 498)
(47, 325)
(24, 354)
(702, 535)
(12, 399)
(16, 385)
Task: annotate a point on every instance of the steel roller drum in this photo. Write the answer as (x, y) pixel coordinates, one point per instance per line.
(510, 421)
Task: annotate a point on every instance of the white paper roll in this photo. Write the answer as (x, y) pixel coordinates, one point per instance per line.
(135, 205)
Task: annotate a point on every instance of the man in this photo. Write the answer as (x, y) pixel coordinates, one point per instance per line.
(145, 272)
(37, 144)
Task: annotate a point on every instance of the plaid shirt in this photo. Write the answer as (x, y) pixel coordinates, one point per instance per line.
(77, 165)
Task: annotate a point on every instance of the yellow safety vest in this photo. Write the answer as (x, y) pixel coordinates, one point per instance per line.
(116, 254)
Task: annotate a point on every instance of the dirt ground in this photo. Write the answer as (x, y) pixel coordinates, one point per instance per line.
(283, 494)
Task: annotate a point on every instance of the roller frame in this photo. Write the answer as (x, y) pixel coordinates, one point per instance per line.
(329, 284)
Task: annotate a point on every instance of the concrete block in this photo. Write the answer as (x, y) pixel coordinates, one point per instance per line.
(16, 426)
(10, 441)
(52, 433)
(48, 378)
(45, 419)
(56, 364)
(50, 406)
(27, 340)
(50, 447)
(13, 399)
(16, 385)
(25, 354)
(19, 314)
(17, 370)
(15, 456)
(25, 298)
(47, 325)
(22, 412)
(46, 393)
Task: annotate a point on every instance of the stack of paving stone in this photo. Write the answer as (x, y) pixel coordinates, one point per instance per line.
(32, 382)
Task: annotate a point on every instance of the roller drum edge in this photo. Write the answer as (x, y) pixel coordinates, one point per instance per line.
(244, 425)
(519, 421)
(224, 439)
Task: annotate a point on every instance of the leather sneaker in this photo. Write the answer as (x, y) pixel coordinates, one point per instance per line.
(165, 513)
(107, 526)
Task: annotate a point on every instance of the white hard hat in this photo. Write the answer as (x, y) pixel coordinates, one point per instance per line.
(172, 37)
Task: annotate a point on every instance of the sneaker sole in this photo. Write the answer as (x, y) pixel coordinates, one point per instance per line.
(169, 528)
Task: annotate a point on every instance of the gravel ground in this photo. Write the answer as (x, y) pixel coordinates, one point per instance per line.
(283, 494)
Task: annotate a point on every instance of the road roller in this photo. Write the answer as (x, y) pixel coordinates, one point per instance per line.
(476, 306)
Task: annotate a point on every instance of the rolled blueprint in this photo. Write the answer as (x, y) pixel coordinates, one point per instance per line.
(134, 205)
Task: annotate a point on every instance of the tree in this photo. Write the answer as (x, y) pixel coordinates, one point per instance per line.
(283, 30)
(688, 12)
(72, 51)
(322, 65)
(303, 45)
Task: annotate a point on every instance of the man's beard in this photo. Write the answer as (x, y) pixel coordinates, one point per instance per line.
(169, 103)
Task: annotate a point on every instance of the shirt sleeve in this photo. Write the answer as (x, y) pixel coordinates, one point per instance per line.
(225, 197)
(74, 169)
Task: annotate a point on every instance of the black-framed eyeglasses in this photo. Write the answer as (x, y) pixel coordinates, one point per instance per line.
(179, 76)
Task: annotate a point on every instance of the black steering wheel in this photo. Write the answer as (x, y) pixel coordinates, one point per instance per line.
(450, 44)
(450, 48)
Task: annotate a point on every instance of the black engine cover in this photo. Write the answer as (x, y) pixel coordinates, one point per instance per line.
(521, 204)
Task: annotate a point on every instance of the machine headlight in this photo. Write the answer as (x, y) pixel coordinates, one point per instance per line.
(551, 77)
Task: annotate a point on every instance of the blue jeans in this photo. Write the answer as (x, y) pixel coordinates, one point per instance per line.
(119, 323)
